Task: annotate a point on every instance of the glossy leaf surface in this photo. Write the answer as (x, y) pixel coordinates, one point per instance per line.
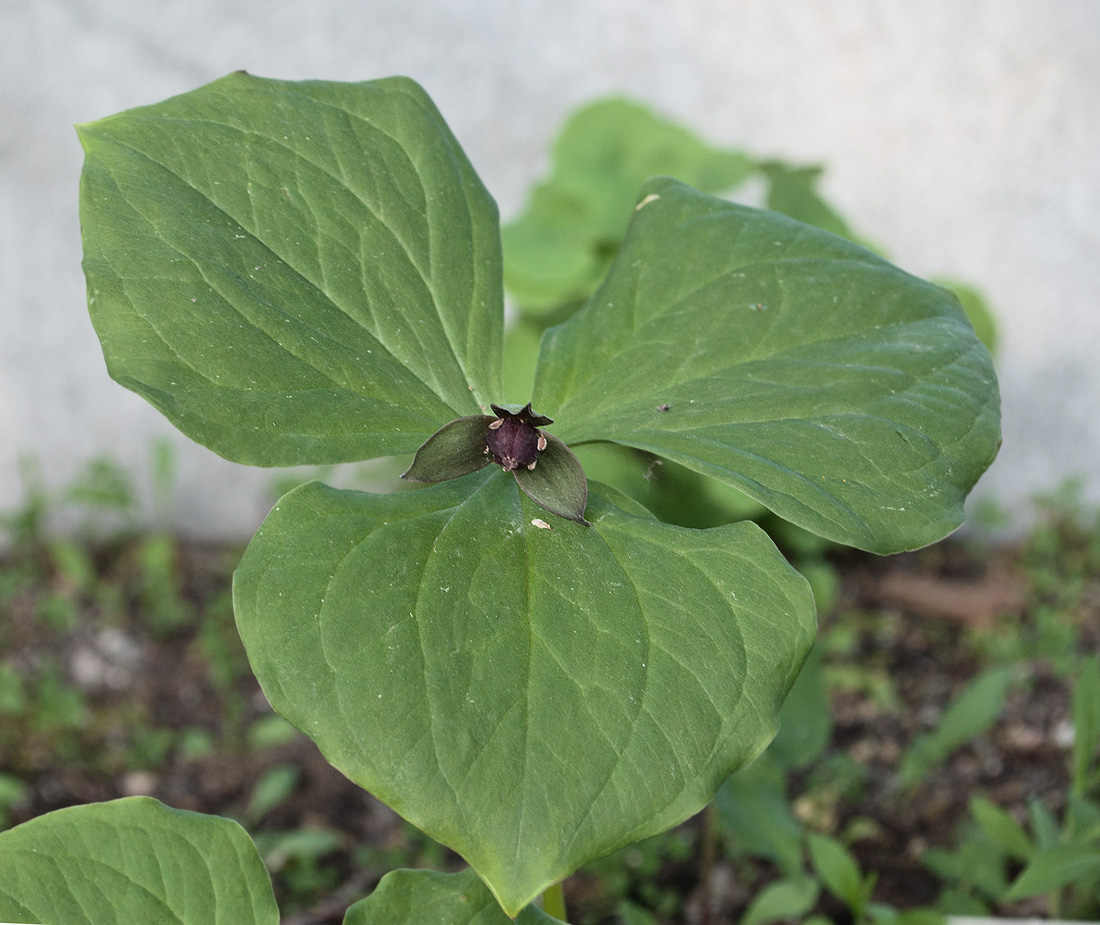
(533, 698)
(405, 896)
(845, 395)
(132, 860)
(293, 272)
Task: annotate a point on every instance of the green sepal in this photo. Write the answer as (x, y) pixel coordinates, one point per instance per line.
(457, 448)
(557, 482)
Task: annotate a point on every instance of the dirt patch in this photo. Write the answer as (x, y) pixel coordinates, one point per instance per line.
(132, 705)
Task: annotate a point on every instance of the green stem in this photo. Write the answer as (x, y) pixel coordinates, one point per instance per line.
(706, 862)
(553, 902)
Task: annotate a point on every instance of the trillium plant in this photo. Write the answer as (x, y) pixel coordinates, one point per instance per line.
(527, 665)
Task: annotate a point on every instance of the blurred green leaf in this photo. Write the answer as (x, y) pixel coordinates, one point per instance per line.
(308, 843)
(977, 310)
(1086, 724)
(558, 250)
(13, 698)
(1043, 825)
(521, 356)
(1002, 829)
(13, 793)
(195, 743)
(805, 723)
(273, 788)
(920, 917)
(839, 872)
(632, 914)
(968, 716)
(754, 811)
(824, 579)
(1082, 819)
(271, 731)
(1052, 868)
(784, 899)
(793, 191)
(73, 563)
(673, 493)
(103, 485)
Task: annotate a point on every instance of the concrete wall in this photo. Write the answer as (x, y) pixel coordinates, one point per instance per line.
(964, 135)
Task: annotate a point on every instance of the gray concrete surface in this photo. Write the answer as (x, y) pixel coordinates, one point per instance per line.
(964, 135)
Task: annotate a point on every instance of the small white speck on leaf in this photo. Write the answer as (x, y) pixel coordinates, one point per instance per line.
(650, 198)
(541, 524)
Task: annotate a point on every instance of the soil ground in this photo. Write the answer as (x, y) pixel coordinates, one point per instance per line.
(170, 710)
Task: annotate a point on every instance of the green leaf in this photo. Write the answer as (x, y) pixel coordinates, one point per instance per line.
(968, 716)
(132, 860)
(632, 914)
(532, 698)
(805, 724)
(294, 273)
(755, 809)
(843, 394)
(1082, 817)
(782, 900)
(609, 148)
(793, 191)
(672, 493)
(839, 871)
(977, 310)
(521, 355)
(558, 250)
(1052, 868)
(1086, 723)
(406, 896)
(456, 449)
(920, 917)
(1043, 824)
(978, 863)
(1002, 829)
(271, 731)
(272, 789)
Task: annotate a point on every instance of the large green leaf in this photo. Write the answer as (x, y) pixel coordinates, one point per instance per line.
(847, 396)
(533, 695)
(132, 860)
(293, 272)
(410, 896)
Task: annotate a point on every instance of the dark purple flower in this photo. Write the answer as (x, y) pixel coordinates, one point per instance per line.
(514, 440)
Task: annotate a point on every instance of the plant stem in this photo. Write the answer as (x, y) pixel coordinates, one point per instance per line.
(706, 861)
(553, 902)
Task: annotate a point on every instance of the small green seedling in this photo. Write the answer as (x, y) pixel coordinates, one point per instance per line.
(968, 716)
(997, 860)
(525, 664)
